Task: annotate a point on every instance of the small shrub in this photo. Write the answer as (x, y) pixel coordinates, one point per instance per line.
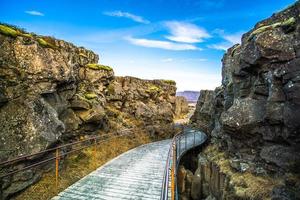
(98, 67)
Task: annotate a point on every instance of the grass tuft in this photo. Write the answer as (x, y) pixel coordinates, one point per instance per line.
(246, 185)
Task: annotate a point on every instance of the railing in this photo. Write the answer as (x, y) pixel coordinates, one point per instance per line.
(181, 143)
(58, 154)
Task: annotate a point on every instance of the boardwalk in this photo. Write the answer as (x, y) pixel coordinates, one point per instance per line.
(136, 174)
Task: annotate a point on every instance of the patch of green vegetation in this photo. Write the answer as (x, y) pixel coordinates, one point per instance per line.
(27, 35)
(8, 31)
(170, 82)
(90, 95)
(83, 55)
(288, 22)
(153, 89)
(98, 67)
(13, 31)
(46, 42)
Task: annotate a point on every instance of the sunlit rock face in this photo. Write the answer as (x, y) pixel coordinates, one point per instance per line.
(181, 106)
(52, 92)
(152, 102)
(254, 116)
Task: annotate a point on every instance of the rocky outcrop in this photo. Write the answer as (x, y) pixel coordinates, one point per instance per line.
(254, 116)
(52, 92)
(181, 107)
(203, 115)
(151, 102)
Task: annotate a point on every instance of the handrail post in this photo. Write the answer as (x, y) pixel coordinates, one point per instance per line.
(56, 169)
(173, 171)
(95, 152)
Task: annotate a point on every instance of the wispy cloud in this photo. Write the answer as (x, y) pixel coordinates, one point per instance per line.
(220, 46)
(194, 60)
(186, 32)
(229, 40)
(128, 15)
(161, 44)
(167, 60)
(34, 12)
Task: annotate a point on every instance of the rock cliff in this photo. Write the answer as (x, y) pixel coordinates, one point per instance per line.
(52, 92)
(181, 107)
(253, 119)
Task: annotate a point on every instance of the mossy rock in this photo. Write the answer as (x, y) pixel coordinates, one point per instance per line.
(90, 95)
(289, 22)
(13, 32)
(98, 67)
(8, 31)
(170, 82)
(153, 89)
(47, 42)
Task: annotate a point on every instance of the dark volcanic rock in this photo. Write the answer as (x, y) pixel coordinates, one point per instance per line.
(254, 116)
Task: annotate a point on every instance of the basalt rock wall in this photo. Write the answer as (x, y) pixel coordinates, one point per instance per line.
(254, 116)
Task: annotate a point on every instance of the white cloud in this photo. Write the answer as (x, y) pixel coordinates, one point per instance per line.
(221, 46)
(161, 44)
(230, 40)
(34, 12)
(186, 32)
(194, 60)
(128, 15)
(233, 38)
(167, 60)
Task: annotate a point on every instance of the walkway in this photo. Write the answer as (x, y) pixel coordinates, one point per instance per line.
(136, 174)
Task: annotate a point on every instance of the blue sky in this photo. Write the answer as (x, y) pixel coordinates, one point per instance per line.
(183, 40)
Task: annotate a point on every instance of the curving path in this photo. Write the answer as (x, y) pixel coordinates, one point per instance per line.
(136, 174)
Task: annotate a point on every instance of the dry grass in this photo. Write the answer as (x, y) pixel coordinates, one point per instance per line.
(80, 164)
(246, 185)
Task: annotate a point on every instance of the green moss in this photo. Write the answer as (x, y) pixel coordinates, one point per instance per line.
(13, 31)
(27, 35)
(287, 22)
(153, 89)
(45, 44)
(8, 31)
(170, 82)
(90, 95)
(98, 67)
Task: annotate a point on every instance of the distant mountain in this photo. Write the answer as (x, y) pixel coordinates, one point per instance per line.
(191, 96)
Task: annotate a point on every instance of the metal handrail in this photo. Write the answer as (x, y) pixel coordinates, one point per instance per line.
(93, 141)
(177, 151)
